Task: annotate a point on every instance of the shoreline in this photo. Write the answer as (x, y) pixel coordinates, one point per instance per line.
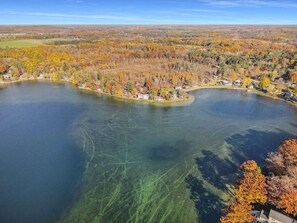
(252, 91)
(183, 102)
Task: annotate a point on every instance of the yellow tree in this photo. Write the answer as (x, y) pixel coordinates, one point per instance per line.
(233, 75)
(265, 82)
(247, 81)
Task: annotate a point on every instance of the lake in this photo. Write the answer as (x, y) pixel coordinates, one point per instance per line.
(73, 156)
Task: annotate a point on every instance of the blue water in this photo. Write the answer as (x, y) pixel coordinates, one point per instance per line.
(40, 164)
(78, 157)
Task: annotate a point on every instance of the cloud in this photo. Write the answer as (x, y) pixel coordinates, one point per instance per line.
(203, 10)
(91, 17)
(251, 3)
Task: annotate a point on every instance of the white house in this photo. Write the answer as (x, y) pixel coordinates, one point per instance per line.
(143, 96)
(226, 83)
(237, 83)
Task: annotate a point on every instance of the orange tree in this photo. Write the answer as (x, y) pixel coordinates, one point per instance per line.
(252, 187)
(288, 202)
(238, 212)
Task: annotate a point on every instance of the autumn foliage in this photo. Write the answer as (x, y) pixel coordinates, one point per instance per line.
(288, 201)
(251, 189)
(238, 212)
(3, 67)
(150, 59)
(282, 184)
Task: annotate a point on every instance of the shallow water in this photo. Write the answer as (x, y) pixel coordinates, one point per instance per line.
(142, 163)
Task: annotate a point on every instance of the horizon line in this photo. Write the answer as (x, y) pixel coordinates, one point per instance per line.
(155, 24)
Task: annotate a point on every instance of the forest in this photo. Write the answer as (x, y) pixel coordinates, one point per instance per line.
(153, 62)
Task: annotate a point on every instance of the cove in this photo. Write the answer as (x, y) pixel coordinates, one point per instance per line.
(78, 157)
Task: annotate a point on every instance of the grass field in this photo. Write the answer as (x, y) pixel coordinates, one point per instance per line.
(20, 43)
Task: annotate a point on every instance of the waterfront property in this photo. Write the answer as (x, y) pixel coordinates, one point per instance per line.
(143, 96)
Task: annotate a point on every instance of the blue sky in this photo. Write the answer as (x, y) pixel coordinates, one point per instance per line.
(148, 12)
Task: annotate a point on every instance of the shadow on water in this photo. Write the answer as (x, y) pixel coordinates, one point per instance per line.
(293, 124)
(208, 205)
(168, 152)
(255, 144)
(219, 171)
(215, 170)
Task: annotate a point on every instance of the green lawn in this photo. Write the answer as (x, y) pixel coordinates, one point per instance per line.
(20, 43)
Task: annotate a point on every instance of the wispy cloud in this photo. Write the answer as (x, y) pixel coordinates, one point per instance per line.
(95, 18)
(251, 3)
(203, 10)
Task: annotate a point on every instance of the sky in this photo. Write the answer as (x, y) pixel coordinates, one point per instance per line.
(34, 12)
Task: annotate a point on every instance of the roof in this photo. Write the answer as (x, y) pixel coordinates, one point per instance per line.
(281, 217)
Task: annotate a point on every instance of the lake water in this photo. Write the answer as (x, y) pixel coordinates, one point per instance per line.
(73, 156)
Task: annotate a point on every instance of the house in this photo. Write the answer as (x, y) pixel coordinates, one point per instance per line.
(143, 96)
(251, 86)
(237, 83)
(225, 82)
(40, 77)
(271, 217)
(158, 98)
(174, 94)
(23, 77)
(256, 77)
(287, 95)
(178, 87)
(6, 77)
(279, 80)
(277, 217)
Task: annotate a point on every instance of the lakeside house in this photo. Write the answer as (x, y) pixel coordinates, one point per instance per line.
(251, 86)
(178, 87)
(288, 95)
(271, 217)
(143, 96)
(237, 83)
(158, 98)
(6, 77)
(226, 83)
(174, 94)
(41, 77)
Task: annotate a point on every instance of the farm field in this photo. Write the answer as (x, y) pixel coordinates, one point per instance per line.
(20, 43)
